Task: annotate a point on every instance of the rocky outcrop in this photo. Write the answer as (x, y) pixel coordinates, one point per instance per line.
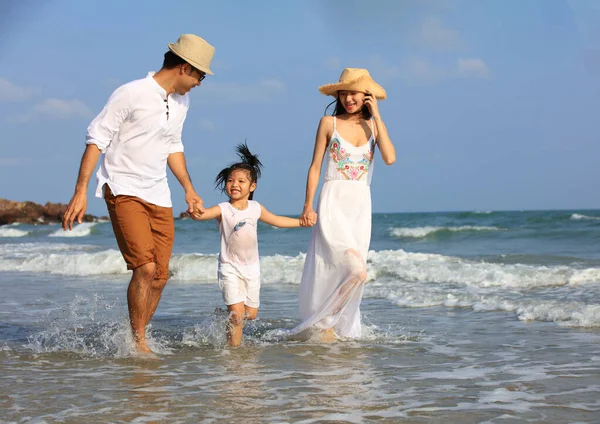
(33, 213)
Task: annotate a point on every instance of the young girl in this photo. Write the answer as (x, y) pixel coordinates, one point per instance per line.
(239, 266)
(335, 269)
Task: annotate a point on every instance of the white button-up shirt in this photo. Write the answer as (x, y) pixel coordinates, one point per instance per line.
(136, 138)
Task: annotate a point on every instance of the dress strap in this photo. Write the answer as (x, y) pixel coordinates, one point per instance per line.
(333, 123)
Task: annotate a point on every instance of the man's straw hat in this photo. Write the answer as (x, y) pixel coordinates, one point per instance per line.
(195, 51)
(354, 79)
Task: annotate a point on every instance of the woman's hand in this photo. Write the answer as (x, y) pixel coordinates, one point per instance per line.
(308, 217)
(371, 102)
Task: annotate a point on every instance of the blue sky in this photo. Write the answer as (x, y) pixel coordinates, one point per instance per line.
(492, 104)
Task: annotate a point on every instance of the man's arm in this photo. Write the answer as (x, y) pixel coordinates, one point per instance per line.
(99, 135)
(78, 204)
(176, 162)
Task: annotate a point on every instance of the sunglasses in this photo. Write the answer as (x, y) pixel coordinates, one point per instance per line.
(201, 74)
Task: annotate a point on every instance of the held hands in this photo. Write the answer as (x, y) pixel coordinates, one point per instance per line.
(194, 202)
(197, 210)
(371, 103)
(308, 217)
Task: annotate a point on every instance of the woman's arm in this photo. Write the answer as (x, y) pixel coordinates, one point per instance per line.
(277, 220)
(388, 151)
(314, 171)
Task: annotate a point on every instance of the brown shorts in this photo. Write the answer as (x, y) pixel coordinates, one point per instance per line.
(144, 232)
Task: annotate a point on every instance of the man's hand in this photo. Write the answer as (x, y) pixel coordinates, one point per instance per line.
(75, 210)
(194, 202)
(197, 211)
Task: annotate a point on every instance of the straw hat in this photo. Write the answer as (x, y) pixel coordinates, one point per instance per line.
(195, 51)
(354, 79)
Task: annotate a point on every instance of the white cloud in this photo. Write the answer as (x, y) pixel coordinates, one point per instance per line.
(414, 71)
(432, 33)
(55, 108)
(261, 92)
(10, 92)
(473, 68)
(15, 161)
(207, 125)
(419, 71)
(58, 108)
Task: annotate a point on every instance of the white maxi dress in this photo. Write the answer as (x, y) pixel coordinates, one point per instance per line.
(335, 268)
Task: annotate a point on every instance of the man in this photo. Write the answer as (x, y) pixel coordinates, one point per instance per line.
(139, 133)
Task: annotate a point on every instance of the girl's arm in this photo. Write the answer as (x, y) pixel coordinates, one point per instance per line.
(214, 212)
(388, 151)
(314, 171)
(277, 220)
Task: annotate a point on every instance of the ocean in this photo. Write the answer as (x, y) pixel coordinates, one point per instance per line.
(483, 316)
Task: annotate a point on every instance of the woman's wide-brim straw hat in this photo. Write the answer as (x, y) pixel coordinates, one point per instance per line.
(354, 79)
(194, 50)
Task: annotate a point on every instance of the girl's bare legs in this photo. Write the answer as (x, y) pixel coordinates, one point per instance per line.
(238, 313)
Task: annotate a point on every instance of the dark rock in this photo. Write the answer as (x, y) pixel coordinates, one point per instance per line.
(32, 213)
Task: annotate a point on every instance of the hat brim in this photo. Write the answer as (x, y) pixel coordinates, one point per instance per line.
(190, 61)
(361, 84)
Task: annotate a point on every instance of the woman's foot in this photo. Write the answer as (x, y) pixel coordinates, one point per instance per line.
(328, 336)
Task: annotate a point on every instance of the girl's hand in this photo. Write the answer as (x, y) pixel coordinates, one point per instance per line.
(308, 217)
(371, 102)
(197, 210)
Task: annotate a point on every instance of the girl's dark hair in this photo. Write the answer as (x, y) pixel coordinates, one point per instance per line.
(249, 163)
(171, 60)
(339, 109)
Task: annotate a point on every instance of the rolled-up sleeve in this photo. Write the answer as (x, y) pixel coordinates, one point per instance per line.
(103, 127)
(176, 143)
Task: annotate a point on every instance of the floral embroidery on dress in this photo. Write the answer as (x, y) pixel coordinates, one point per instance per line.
(351, 170)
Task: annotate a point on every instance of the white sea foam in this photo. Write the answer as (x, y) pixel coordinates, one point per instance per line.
(79, 230)
(29, 249)
(385, 265)
(421, 232)
(194, 267)
(5, 231)
(577, 216)
(98, 263)
(572, 314)
(433, 268)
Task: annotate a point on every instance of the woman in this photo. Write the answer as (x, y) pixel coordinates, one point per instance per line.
(335, 269)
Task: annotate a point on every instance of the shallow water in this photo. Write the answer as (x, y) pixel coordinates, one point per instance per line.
(73, 364)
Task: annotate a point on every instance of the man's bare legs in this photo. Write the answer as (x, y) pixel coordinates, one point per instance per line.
(143, 295)
(155, 295)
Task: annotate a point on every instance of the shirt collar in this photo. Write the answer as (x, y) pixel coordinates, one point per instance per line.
(156, 86)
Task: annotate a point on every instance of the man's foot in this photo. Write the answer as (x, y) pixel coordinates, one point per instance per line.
(142, 348)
